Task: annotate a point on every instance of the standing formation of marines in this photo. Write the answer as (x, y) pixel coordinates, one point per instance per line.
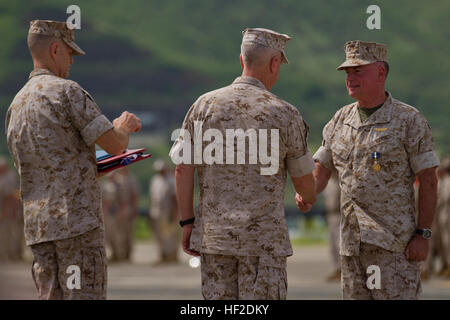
(377, 146)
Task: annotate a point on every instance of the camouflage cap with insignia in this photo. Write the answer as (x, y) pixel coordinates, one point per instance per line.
(360, 53)
(267, 38)
(56, 29)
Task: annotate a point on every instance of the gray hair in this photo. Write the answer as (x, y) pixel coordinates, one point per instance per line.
(256, 55)
(38, 43)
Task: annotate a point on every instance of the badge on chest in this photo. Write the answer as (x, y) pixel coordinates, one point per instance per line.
(376, 166)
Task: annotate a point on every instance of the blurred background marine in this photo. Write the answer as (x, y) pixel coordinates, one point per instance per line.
(120, 207)
(11, 218)
(443, 217)
(333, 217)
(163, 213)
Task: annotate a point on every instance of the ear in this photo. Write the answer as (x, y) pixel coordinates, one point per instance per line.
(273, 64)
(54, 47)
(242, 61)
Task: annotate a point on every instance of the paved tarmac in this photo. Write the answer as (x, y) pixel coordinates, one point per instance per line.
(143, 279)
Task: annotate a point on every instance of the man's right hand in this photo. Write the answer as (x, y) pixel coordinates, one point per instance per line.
(301, 205)
(115, 141)
(187, 230)
(128, 122)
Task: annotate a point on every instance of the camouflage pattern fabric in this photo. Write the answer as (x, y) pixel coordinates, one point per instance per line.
(52, 125)
(243, 278)
(56, 29)
(52, 260)
(399, 278)
(377, 202)
(266, 38)
(240, 211)
(360, 53)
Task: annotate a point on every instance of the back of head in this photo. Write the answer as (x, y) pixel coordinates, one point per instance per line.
(255, 55)
(39, 45)
(43, 33)
(259, 45)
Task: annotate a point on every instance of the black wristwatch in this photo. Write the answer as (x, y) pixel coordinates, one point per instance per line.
(187, 221)
(426, 233)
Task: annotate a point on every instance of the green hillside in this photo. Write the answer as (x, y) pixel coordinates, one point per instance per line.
(158, 56)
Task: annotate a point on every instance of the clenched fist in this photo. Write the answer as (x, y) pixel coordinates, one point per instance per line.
(128, 121)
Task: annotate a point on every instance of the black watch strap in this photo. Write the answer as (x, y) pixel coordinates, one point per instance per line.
(187, 221)
(426, 233)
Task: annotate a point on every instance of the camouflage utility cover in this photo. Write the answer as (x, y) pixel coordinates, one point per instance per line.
(58, 30)
(360, 53)
(266, 38)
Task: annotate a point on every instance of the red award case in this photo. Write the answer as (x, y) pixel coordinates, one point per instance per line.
(107, 163)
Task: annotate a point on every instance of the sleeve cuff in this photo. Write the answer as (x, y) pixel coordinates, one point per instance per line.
(302, 166)
(424, 161)
(323, 156)
(94, 129)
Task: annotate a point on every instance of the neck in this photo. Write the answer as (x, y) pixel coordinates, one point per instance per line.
(373, 101)
(42, 65)
(257, 75)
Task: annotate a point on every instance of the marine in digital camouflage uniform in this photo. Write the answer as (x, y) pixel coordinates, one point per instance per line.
(52, 126)
(240, 228)
(163, 213)
(378, 145)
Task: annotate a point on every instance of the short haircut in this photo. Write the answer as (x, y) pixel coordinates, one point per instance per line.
(255, 54)
(39, 42)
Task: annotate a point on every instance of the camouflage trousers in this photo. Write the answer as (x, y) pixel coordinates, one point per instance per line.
(56, 263)
(399, 277)
(226, 277)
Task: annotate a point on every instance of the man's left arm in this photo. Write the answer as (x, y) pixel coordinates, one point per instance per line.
(184, 177)
(418, 247)
(423, 162)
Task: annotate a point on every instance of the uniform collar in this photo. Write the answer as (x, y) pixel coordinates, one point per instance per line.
(251, 81)
(39, 72)
(382, 115)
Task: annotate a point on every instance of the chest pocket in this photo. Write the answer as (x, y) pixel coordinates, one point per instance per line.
(384, 143)
(341, 151)
(392, 156)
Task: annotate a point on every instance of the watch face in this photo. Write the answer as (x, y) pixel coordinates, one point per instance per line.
(427, 234)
